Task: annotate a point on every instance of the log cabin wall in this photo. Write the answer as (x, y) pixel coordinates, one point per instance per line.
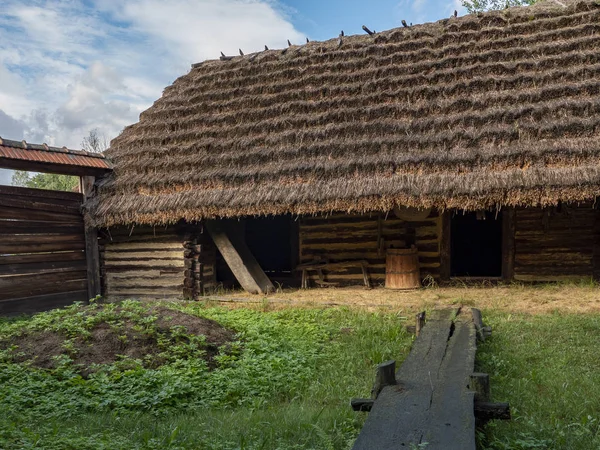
(145, 262)
(200, 264)
(554, 244)
(344, 237)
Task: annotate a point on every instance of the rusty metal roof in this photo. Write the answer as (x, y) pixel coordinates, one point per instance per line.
(55, 156)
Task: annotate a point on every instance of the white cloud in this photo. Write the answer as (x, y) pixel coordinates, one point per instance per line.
(5, 177)
(68, 66)
(421, 11)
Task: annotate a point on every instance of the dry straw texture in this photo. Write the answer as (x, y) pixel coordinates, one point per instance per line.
(501, 108)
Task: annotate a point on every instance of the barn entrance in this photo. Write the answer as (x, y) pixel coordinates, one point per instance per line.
(273, 242)
(476, 245)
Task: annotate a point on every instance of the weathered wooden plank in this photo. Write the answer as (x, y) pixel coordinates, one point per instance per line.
(42, 257)
(144, 246)
(155, 292)
(431, 406)
(28, 239)
(13, 191)
(37, 228)
(26, 214)
(55, 267)
(7, 249)
(167, 253)
(452, 405)
(157, 262)
(30, 288)
(31, 203)
(162, 282)
(539, 277)
(38, 303)
(402, 413)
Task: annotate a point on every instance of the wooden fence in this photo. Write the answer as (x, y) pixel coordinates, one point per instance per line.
(42, 250)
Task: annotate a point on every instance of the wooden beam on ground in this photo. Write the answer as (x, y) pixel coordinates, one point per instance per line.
(228, 237)
(431, 405)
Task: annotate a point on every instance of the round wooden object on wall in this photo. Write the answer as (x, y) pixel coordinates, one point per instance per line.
(402, 268)
(411, 214)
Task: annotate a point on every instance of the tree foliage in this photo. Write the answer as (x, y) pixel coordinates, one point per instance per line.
(474, 6)
(49, 181)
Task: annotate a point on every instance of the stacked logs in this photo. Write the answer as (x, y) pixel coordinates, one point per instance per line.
(199, 260)
(192, 286)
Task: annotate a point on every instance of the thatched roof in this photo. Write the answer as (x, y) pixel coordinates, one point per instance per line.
(501, 108)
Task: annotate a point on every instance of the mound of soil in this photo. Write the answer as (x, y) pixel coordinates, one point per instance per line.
(108, 345)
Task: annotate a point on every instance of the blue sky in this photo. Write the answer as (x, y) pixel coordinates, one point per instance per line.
(69, 66)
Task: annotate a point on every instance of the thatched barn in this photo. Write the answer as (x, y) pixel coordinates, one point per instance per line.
(476, 139)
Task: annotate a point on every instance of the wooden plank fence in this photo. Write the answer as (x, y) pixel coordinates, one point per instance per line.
(42, 250)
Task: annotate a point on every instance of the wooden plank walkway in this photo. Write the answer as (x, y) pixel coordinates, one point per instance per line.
(431, 405)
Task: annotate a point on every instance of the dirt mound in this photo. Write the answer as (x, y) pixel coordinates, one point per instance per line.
(107, 343)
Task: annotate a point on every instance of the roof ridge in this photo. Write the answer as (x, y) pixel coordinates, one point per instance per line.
(47, 148)
(537, 7)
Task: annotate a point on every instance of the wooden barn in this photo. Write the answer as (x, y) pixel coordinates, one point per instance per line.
(474, 139)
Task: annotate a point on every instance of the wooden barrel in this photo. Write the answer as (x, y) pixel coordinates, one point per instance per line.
(402, 268)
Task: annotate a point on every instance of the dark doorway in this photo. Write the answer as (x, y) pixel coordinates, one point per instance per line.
(476, 245)
(273, 241)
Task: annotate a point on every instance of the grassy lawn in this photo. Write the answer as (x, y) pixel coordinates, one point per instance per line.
(285, 379)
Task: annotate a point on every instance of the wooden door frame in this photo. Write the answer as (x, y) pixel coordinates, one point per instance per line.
(508, 247)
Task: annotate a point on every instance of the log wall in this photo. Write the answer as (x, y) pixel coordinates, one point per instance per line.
(200, 264)
(42, 250)
(555, 244)
(343, 237)
(143, 262)
(156, 262)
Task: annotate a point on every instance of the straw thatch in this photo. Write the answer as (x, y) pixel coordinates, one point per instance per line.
(501, 108)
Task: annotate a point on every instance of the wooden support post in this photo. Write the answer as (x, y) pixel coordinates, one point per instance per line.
(480, 384)
(362, 404)
(485, 411)
(508, 244)
(365, 276)
(385, 376)
(482, 331)
(420, 322)
(445, 257)
(92, 254)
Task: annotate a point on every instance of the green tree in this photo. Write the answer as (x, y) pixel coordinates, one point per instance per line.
(49, 181)
(474, 6)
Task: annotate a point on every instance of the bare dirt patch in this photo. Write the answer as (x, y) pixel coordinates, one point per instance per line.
(108, 343)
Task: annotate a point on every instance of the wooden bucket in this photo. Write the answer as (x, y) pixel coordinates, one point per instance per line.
(402, 269)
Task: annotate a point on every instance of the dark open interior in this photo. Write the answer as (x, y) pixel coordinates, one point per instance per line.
(476, 245)
(273, 241)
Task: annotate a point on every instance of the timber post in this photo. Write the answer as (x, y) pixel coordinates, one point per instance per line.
(92, 254)
(385, 376)
(420, 323)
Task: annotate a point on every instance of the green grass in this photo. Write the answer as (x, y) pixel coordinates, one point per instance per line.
(289, 388)
(548, 368)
